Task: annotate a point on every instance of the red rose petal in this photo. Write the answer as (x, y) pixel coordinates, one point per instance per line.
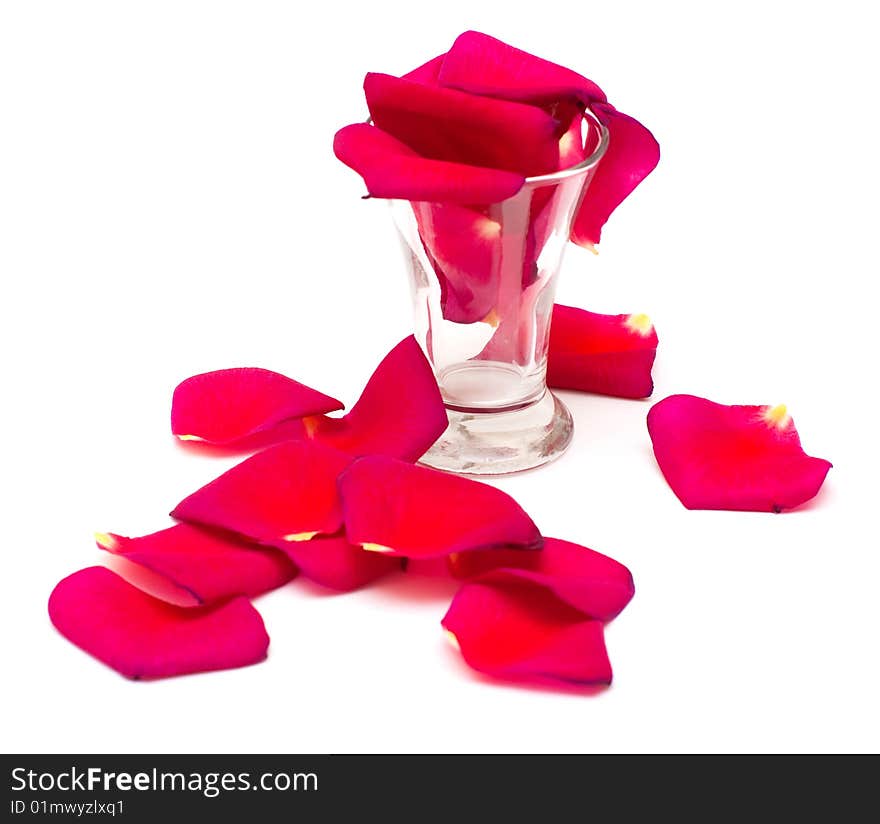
(392, 170)
(480, 64)
(400, 412)
(284, 493)
(594, 584)
(607, 354)
(446, 124)
(208, 566)
(337, 564)
(464, 246)
(732, 457)
(230, 404)
(401, 509)
(142, 637)
(516, 630)
(427, 73)
(632, 154)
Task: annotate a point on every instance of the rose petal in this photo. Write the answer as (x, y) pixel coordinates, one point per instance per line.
(207, 566)
(607, 354)
(446, 124)
(284, 493)
(400, 412)
(517, 630)
(632, 154)
(427, 73)
(392, 170)
(142, 637)
(401, 509)
(230, 404)
(480, 64)
(732, 457)
(337, 564)
(594, 584)
(464, 246)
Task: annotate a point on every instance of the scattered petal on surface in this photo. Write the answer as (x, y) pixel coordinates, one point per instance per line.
(594, 584)
(230, 404)
(517, 630)
(446, 124)
(732, 457)
(285, 493)
(208, 566)
(480, 64)
(607, 354)
(337, 564)
(391, 169)
(142, 637)
(400, 412)
(632, 154)
(401, 509)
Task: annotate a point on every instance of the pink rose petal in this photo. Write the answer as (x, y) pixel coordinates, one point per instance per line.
(337, 564)
(401, 509)
(516, 630)
(391, 169)
(607, 354)
(594, 584)
(231, 404)
(142, 637)
(732, 457)
(208, 566)
(446, 124)
(284, 493)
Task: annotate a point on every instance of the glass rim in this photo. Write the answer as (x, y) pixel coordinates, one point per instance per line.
(586, 164)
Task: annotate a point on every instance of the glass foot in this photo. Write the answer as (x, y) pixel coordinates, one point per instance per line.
(481, 442)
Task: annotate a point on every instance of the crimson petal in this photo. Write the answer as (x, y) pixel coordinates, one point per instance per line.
(594, 584)
(428, 72)
(284, 493)
(632, 154)
(228, 405)
(142, 637)
(516, 630)
(400, 412)
(401, 509)
(732, 457)
(391, 169)
(446, 124)
(207, 566)
(607, 354)
(337, 564)
(480, 64)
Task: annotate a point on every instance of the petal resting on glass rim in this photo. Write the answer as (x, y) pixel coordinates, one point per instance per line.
(391, 169)
(447, 124)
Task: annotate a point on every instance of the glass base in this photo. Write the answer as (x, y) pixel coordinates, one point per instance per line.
(481, 442)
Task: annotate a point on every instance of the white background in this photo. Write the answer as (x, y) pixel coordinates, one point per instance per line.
(170, 203)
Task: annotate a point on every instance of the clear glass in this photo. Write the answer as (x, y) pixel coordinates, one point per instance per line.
(483, 282)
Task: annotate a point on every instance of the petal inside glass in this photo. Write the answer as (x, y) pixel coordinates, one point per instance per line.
(483, 280)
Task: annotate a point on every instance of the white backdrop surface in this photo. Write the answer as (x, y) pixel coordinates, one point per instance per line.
(170, 204)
